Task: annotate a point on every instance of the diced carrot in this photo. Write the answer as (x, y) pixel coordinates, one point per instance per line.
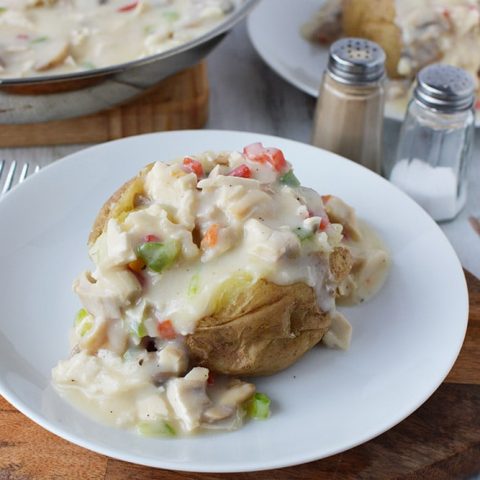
(165, 330)
(210, 238)
(136, 266)
(324, 224)
(326, 198)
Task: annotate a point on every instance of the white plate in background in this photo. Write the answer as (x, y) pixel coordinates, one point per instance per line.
(274, 29)
(404, 341)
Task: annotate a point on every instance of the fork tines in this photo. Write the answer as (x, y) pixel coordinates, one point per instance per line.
(13, 174)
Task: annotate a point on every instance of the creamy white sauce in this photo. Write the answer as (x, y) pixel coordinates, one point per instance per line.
(61, 36)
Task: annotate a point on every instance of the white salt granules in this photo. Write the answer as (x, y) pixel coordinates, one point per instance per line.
(433, 188)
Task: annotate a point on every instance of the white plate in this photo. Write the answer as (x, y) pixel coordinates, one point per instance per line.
(404, 342)
(274, 29)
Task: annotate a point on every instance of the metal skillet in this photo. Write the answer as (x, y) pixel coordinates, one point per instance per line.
(56, 97)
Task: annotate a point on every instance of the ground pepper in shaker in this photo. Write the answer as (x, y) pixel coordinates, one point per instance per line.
(349, 112)
(436, 141)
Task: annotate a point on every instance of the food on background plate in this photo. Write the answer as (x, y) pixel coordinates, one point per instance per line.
(96, 33)
(413, 33)
(209, 268)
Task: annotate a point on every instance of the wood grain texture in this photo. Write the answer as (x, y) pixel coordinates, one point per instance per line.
(441, 440)
(178, 102)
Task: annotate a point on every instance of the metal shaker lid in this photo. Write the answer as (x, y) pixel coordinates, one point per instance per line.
(445, 88)
(356, 61)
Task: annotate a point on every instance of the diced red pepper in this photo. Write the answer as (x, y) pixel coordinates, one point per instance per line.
(276, 159)
(191, 165)
(210, 238)
(165, 330)
(128, 7)
(324, 224)
(23, 36)
(477, 105)
(151, 238)
(242, 171)
(211, 378)
(258, 153)
(326, 198)
(255, 152)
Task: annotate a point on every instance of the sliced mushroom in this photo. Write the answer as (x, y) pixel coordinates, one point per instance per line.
(50, 54)
(237, 393)
(188, 397)
(217, 413)
(339, 334)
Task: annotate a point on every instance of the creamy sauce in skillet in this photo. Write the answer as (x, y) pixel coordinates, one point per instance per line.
(43, 37)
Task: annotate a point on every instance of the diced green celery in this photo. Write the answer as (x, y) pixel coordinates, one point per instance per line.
(258, 406)
(88, 65)
(303, 233)
(171, 16)
(194, 285)
(290, 179)
(130, 354)
(81, 314)
(39, 40)
(138, 329)
(158, 256)
(85, 326)
(83, 322)
(148, 29)
(159, 428)
(3, 9)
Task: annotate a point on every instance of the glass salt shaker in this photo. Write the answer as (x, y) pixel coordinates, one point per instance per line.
(349, 112)
(436, 141)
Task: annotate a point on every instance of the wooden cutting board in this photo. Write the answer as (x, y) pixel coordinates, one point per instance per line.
(440, 440)
(176, 103)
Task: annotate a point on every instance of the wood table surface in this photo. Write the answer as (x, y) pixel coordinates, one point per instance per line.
(440, 440)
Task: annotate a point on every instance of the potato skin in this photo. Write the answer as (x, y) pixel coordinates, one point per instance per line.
(264, 329)
(375, 20)
(122, 201)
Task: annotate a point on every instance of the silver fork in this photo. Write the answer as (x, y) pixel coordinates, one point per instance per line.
(12, 173)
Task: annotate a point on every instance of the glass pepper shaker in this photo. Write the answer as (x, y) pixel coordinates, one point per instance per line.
(436, 141)
(349, 112)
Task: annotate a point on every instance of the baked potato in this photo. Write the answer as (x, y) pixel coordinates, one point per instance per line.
(218, 263)
(413, 34)
(255, 328)
(375, 20)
